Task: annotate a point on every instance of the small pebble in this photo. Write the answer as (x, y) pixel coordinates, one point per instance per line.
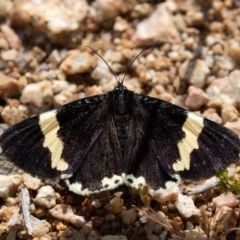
(77, 62)
(93, 235)
(61, 85)
(195, 72)
(46, 197)
(228, 199)
(196, 98)
(226, 89)
(195, 234)
(31, 182)
(72, 234)
(40, 227)
(11, 36)
(38, 94)
(152, 237)
(45, 237)
(129, 216)
(61, 226)
(116, 205)
(65, 212)
(86, 228)
(113, 237)
(224, 219)
(96, 203)
(211, 114)
(64, 98)
(14, 224)
(148, 29)
(97, 221)
(10, 201)
(234, 126)
(9, 55)
(234, 53)
(224, 63)
(9, 185)
(109, 217)
(60, 21)
(14, 114)
(5, 7)
(229, 113)
(9, 87)
(106, 10)
(186, 207)
(7, 212)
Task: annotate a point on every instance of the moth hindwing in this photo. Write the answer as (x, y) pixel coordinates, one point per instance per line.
(101, 142)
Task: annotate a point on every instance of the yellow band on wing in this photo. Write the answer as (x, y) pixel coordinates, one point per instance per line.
(192, 128)
(49, 126)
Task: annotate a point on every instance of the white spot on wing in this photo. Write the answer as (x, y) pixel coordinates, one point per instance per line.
(77, 188)
(112, 183)
(109, 183)
(170, 186)
(192, 128)
(49, 126)
(66, 175)
(134, 182)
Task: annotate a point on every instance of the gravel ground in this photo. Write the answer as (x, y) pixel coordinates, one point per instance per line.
(193, 62)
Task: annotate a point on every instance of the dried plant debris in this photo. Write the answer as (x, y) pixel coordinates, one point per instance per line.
(194, 63)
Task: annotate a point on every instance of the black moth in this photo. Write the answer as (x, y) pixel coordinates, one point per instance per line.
(101, 142)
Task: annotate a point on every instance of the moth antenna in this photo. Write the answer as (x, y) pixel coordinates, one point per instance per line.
(110, 69)
(148, 46)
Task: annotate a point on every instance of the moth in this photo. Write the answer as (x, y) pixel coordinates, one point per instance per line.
(99, 143)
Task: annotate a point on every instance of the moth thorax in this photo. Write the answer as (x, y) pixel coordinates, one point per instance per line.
(121, 116)
(122, 126)
(120, 102)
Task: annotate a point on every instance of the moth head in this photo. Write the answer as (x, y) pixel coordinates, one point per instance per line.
(119, 81)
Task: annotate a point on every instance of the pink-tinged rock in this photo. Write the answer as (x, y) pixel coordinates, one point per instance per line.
(59, 20)
(224, 220)
(105, 10)
(77, 62)
(12, 38)
(194, 72)
(234, 126)
(212, 114)
(158, 27)
(196, 98)
(65, 212)
(38, 94)
(228, 199)
(14, 114)
(9, 185)
(225, 89)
